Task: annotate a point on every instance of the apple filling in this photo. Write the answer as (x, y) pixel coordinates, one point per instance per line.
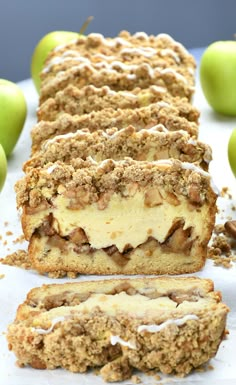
(118, 224)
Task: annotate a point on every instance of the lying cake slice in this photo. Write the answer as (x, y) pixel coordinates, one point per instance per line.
(172, 325)
(117, 217)
(149, 144)
(182, 116)
(75, 101)
(160, 50)
(117, 77)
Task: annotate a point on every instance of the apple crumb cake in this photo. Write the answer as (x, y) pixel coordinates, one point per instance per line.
(115, 217)
(172, 325)
(79, 101)
(145, 145)
(173, 118)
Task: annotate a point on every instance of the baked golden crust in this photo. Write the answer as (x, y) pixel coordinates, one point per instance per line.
(145, 145)
(95, 42)
(127, 78)
(179, 117)
(52, 330)
(76, 101)
(70, 216)
(159, 51)
(97, 178)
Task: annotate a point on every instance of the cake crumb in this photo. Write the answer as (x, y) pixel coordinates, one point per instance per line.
(19, 258)
(2, 276)
(8, 233)
(136, 379)
(19, 239)
(222, 249)
(225, 193)
(6, 223)
(57, 274)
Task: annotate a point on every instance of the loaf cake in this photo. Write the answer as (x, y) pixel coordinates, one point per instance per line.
(115, 217)
(98, 61)
(158, 51)
(79, 101)
(180, 117)
(172, 325)
(145, 145)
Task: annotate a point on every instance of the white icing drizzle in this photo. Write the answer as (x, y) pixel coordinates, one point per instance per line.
(193, 167)
(117, 340)
(161, 103)
(141, 51)
(131, 76)
(141, 35)
(49, 330)
(170, 52)
(156, 129)
(157, 328)
(158, 89)
(62, 136)
(61, 46)
(61, 60)
(175, 73)
(105, 57)
(129, 95)
(51, 168)
(192, 141)
(165, 36)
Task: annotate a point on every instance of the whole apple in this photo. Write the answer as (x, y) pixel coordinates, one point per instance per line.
(232, 151)
(42, 49)
(13, 112)
(3, 167)
(218, 76)
(47, 44)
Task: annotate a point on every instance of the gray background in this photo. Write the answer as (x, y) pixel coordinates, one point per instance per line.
(196, 23)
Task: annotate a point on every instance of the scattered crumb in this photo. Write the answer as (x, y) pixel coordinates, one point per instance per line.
(5, 243)
(225, 193)
(0, 237)
(6, 223)
(210, 367)
(223, 246)
(8, 233)
(157, 377)
(136, 380)
(2, 276)
(19, 258)
(19, 239)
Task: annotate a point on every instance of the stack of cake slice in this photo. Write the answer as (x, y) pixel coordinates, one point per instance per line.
(118, 183)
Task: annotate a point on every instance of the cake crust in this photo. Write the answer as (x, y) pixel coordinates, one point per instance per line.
(144, 145)
(174, 118)
(174, 312)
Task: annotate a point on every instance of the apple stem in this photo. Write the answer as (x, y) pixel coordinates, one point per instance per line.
(85, 25)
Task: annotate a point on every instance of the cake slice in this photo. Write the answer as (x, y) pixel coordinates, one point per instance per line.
(160, 50)
(172, 325)
(182, 116)
(148, 144)
(117, 77)
(117, 217)
(75, 101)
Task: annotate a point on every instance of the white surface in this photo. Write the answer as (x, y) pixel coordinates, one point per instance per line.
(214, 130)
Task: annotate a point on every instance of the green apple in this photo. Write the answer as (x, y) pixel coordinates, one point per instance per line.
(218, 76)
(47, 44)
(232, 151)
(3, 167)
(13, 112)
